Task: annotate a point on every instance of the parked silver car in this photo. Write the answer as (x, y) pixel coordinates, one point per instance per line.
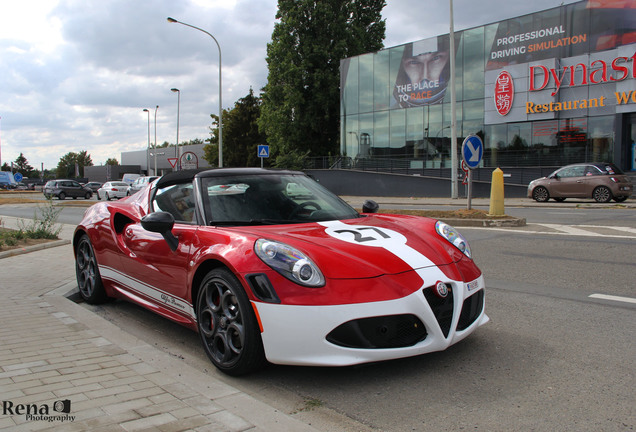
(140, 183)
(113, 189)
(66, 188)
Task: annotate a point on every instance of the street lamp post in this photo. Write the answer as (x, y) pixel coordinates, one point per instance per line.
(146, 110)
(156, 108)
(177, 153)
(172, 20)
(454, 163)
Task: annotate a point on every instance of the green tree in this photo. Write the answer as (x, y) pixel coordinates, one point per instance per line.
(22, 166)
(67, 163)
(211, 151)
(111, 161)
(5, 167)
(300, 109)
(241, 136)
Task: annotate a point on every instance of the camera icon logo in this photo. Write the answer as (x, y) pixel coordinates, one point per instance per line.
(62, 406)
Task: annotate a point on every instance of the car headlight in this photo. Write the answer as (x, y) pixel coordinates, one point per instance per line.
(455, 238)
(290, 262)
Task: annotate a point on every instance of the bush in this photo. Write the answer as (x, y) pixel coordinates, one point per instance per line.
(43, 227)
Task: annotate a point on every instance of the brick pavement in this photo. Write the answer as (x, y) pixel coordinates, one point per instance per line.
(54, 350)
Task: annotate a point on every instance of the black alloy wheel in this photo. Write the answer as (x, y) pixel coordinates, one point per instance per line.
(227, 325)
(89, 281)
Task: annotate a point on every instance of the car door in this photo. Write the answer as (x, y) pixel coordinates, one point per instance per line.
(158, 274)
(569, 183)
(74, 189)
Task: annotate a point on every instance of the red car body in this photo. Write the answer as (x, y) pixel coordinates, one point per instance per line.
(371, 286)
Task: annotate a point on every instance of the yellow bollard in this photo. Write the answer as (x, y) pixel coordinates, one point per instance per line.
(497, 194)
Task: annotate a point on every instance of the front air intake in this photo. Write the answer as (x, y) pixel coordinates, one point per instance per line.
(391, 331)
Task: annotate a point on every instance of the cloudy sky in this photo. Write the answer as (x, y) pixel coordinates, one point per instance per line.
(76, 74)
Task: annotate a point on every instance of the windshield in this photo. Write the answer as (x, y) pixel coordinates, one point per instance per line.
(270, 199)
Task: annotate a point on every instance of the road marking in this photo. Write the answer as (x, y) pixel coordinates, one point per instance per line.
(613, 298)
(627, 233)
(571, 229)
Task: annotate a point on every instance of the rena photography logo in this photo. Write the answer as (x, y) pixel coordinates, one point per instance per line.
(58, 411)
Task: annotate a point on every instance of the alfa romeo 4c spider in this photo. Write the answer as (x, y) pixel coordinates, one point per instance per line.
(269, 266)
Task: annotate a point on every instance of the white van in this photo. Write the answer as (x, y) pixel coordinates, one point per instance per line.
(130, 178)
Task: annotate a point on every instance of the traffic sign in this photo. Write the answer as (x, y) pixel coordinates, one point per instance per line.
(472, 151)
(18, 177)
(263, 151)
(173, 161)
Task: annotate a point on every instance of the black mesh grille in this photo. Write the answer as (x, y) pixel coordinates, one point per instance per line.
(442, 307)
(391, 331)
(471, 309)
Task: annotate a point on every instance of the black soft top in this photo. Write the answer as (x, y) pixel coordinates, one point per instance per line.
(184, 176)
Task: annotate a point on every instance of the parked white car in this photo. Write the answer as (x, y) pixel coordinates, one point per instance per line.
(113, 189)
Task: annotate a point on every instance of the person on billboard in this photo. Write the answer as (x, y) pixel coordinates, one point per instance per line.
(424, 73)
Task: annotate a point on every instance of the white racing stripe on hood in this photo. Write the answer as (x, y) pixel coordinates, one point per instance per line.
(371, 236)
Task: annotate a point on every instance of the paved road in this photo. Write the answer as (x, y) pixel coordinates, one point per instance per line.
(553, 358)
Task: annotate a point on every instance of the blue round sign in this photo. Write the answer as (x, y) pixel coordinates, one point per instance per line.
(18, 177)
(472, 151)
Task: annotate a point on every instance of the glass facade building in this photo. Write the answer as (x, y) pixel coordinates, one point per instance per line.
(545, 89)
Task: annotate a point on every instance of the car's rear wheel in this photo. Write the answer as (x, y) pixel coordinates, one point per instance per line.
(620, 198)
(61, 196)
(540, 194)
(602, 194)
(227, 325)
(89, 281)
(88, 195)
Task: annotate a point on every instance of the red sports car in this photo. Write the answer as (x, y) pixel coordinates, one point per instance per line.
(270, 266)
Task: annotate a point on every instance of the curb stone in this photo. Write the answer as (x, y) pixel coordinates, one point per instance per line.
(27, 249)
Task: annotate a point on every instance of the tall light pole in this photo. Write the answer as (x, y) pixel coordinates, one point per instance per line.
(172, 20)
(146, 110)
(157, 107)
(177, 153)
(454, 182)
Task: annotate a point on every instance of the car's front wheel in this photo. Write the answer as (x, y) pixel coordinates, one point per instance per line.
(602, 194)
(89, 281)
(227, 325)
(540, 194)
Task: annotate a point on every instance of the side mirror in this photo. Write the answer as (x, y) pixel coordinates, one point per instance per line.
(370, 206)
(162, 223)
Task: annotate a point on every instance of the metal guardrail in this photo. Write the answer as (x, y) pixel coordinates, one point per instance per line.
(519, 175)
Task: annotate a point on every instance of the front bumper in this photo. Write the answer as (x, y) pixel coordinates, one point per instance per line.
(298, 335)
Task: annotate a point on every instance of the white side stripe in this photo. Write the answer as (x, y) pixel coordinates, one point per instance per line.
(159, 296)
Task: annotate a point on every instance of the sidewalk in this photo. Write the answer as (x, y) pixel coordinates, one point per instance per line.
(53, 350)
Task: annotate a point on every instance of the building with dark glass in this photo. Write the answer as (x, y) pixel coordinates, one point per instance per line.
(541, 90)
